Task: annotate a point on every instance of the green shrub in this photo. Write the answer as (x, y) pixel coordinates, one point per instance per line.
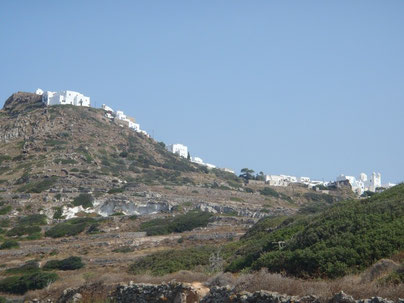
(170, 261)
(27, 267)
(248, 190)
(21, 284)
(345, 238)
(9, 243)
(5, 222)
(22, 230)
(35, 219)
(54, 142)
(5, 210)
(71, 263)
(58, 214)
(124, 249)
(70, 227)
(267, 191)
(65, 161)
(116, 190)
(85, 200)
(38, 187)
(177, 224)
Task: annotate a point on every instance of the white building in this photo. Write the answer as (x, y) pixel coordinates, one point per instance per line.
(304, 180)
(228, 170)
(197, 160)
(178, 149)
(363, 183)
(63, 98)
(276, 180)
(107, 108)
(375, 181)
(130, 121)
(210, 166)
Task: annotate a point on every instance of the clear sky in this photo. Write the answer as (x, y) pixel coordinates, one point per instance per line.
(312, 88)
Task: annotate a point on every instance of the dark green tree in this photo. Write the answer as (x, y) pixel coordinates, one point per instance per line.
(247, 174)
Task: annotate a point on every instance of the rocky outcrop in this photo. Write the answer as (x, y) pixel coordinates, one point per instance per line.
(21, 101)
(239, 211)
(120, 204)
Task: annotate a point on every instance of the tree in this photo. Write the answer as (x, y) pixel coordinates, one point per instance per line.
(189, 156)
(260, 176)
(247, 174)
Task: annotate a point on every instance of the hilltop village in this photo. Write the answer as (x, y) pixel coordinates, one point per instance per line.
(359, 186)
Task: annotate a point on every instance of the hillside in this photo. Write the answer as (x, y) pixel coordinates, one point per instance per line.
(80, 191)
(53, 154)
(347, 237)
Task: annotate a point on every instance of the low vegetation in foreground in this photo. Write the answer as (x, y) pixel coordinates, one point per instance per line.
(30, 276)
(346, 238)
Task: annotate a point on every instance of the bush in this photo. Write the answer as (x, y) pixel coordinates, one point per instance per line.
(35, 219)
(28, 267)
(71, 263)
(58, 214)
(19, 285)
(22, 230)
(170, 261)
(267, 191)
(177, 224)
(116, 190)
(38, 187)
(65, 161)
(7, 244)
(85, 200)
(71, 227)
(5, 210)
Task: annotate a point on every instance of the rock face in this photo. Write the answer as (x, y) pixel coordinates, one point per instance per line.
(21, 101)
(115, 204)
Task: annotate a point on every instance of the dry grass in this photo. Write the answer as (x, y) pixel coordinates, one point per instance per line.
(324, 289)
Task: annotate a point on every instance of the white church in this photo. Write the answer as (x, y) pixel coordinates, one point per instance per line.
(64, 97)
(363, 183)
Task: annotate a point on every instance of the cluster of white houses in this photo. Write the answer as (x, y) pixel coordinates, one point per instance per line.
(69, 97)
(359, 186)
(63, 97)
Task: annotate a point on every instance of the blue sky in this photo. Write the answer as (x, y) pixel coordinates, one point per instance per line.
(313, 88)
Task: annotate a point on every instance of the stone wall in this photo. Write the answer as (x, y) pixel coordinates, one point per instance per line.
(185, 293)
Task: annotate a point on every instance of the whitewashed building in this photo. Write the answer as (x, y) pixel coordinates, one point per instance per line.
(197, 160)
(363, 184)
(375, 181)
(304, 180)
(107, 108)
(63, 98)
(228, 170)
(129, 121)
(178, 149)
